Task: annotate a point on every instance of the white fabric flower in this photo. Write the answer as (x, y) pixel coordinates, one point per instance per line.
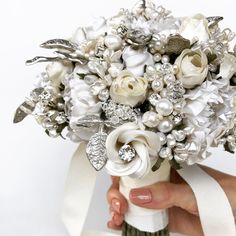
(228, 66)
(195, 28)
(193, 68)
(146, 144)
(80, 102)
(136, 60)
(209, 111)
(57, 71)
(97, 28)
(128, 90)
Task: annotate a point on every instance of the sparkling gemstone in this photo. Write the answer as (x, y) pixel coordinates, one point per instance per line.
(103, 95)
(154, 98)
(127, 153)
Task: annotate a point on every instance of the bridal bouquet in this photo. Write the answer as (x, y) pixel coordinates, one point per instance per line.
(145, 90)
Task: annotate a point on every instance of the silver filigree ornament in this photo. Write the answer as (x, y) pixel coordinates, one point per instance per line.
(127, 153)
(65, 51)
(96, 150)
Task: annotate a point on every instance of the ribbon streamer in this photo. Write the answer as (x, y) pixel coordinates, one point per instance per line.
(214, 209)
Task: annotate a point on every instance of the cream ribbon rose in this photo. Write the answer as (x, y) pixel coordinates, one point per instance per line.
(128, 89)
(195, 28)
(193, 68)
(147, 144)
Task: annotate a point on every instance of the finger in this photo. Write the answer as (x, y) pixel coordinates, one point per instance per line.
(113, 226)
(165, 195)
(115, 181)
(183, 222)
(116, 200)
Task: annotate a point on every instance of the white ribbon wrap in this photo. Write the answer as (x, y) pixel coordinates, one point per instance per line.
(147, 220)
(214, 209)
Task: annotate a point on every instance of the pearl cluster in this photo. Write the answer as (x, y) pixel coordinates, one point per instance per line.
(161, 78)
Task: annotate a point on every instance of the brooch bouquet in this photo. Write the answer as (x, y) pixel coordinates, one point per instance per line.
(146, 91)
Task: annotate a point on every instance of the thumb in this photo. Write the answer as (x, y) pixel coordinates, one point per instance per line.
(165, 195)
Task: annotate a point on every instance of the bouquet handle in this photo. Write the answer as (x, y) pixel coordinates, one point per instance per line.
(145, 220)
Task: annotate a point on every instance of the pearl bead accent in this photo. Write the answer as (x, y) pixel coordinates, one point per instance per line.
(165, 126)
(164, 107)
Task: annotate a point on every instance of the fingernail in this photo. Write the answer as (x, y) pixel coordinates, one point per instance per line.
(140, 196)
(116, 205)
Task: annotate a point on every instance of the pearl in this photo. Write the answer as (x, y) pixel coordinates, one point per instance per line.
(158, 46)
(157, 85)
(165, 126)
(113, 42)
(157, 57)
(175, 69)
(150, 119)
(162, 138)
(165, 59)
(163, 93)
(164, 107)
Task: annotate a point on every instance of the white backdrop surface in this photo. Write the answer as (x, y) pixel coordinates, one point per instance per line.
(33, 167)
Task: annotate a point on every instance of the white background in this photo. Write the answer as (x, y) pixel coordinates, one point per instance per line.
(33, 167)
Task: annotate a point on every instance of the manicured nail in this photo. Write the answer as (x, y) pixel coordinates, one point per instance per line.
(116, 205)
(140, 196)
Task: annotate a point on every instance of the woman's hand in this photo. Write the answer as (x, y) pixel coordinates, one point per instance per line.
(176, 195)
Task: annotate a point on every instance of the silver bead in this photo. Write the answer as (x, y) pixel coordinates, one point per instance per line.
(179, 135)
(162, 138)
(171, 142)
(157, 85)
(113, 42)
(150, 119)
(164, 107)
(165, 126)
(165, 153)
(188, 130)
